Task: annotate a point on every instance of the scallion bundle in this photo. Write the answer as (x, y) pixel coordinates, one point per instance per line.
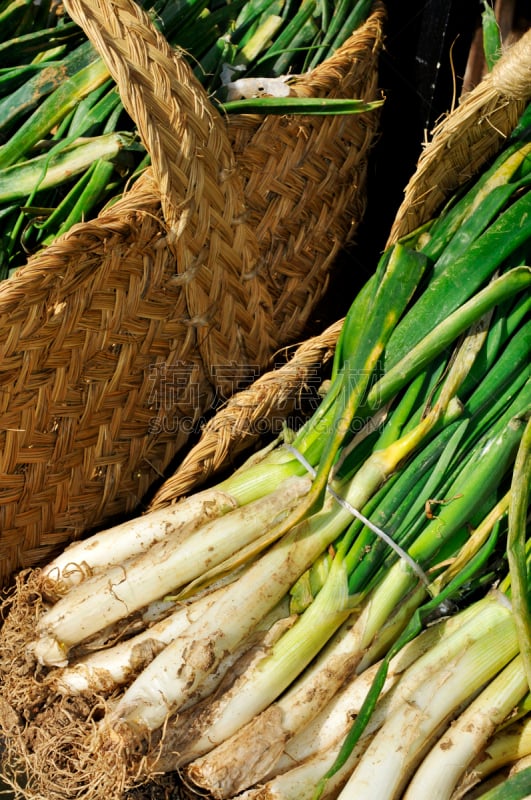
(222, 635)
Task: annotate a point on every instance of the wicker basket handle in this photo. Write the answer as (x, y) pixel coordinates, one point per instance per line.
(176, 122)
(195, 172)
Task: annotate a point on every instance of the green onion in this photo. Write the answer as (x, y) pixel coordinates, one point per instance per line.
(214, 634)
(491, 35)
(48, 78)
(52, 168)
(510, 743)
(439, 771)
(52, 111)
(300, 105)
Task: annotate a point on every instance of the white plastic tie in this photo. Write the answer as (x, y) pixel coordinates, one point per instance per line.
(417, 569)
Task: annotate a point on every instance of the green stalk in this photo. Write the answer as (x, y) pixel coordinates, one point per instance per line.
(254, 11)
(476, 481)
(516, 546)
(398, 504)
(53, 220)
(299, 105)
(252, 48)
(48, 79)
(464, 276)
(345, 19)
(20, 180)
(366, 554)
(423, 427)
(467, 218)
(440, 335)
(92, 190)
(356, 17)
(93, 109)
(493, 203)
(52, 111)
(414, 394)
(492, 44)
(28, 45)
(11, 78)
(506, 350)
(515, 787)
(86, 192)
(11, 16)
(478, 538)
(398, 277)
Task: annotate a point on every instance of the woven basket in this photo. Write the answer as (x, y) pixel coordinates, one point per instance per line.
(120, 336)
(460, 146)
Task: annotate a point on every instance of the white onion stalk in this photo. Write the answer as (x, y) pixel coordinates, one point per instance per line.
(124, 629)
(257, 688)
(259, 475)
(166, 566)
(345, 705)
(176, 673)
(253, 693)
(108, 669)
(104, 670)
(399, 745)
(262, 746)
(299, 782)
(510, 744)
(265, 634)
(299, 778)
(318, 683)
(332, 722)
(82, 559)
(309, 755)
(440, 771)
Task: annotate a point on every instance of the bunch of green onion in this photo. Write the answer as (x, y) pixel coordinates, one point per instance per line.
(66, 145)
(236, 634)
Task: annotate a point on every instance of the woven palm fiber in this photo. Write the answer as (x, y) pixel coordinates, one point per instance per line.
(305, 176)
(120, 336)
(460, 146)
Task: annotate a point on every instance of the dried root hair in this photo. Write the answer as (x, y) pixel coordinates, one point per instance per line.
(23, 681)
(53, 755)
(51, 746)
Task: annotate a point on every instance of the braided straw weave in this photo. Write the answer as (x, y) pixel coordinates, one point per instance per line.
(119, 337)
(304, 178)
(461, 145)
